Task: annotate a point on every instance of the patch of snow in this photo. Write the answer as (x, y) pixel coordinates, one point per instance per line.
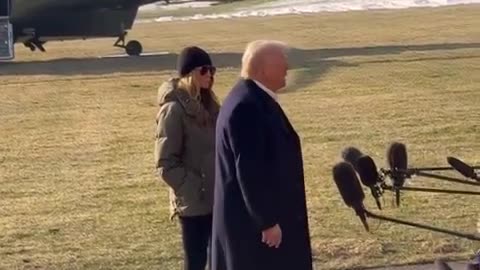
(283, 7)
(176, 5)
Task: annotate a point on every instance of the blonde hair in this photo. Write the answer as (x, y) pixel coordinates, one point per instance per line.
(254, 53)
(209, 102)
(188, 83)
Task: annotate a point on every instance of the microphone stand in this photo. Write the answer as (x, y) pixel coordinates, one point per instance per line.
(422, 226)
(441, 168)
(433, 190)
(446, 178)
(417, 171)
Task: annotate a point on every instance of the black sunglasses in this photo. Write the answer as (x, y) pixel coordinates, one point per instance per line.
(205, 69)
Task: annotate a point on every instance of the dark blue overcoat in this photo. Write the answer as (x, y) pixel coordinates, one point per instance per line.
(259, 182)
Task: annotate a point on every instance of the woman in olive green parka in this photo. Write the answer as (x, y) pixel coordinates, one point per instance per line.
(185, 150)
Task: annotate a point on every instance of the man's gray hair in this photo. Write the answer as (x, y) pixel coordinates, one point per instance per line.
(254, 51)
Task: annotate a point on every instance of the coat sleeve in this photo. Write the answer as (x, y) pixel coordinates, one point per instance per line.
(253, 165)
(169, 148)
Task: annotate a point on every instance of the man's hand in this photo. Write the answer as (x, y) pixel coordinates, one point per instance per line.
(272, 236)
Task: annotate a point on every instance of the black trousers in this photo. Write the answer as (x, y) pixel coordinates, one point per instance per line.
(196, 234)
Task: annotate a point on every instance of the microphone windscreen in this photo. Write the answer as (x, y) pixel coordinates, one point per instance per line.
(348, 185)
(397, 160)
(351, 155)
(397, 156)
(367, 171)
(463, 168)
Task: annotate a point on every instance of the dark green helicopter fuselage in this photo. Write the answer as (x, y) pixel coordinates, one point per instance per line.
(37, 21)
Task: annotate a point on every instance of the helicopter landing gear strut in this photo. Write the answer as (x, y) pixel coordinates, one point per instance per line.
(132, 48)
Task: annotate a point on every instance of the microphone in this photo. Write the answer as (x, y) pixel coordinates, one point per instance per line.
(351, 155)
(349, 187)
(398, 161)
(352, 194)
(463, 168)
(369, 177)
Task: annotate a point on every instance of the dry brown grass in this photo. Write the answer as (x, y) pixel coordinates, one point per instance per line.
(77, 185)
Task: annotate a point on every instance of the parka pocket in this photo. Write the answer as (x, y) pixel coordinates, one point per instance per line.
(190, 193)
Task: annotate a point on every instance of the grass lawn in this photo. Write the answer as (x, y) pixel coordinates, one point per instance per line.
(77, 182)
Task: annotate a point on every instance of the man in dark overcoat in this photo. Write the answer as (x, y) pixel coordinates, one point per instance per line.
(260, 217)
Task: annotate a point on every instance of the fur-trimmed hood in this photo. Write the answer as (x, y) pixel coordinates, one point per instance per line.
(169, 92)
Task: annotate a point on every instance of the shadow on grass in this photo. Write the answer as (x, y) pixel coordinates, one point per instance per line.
(311, 63)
